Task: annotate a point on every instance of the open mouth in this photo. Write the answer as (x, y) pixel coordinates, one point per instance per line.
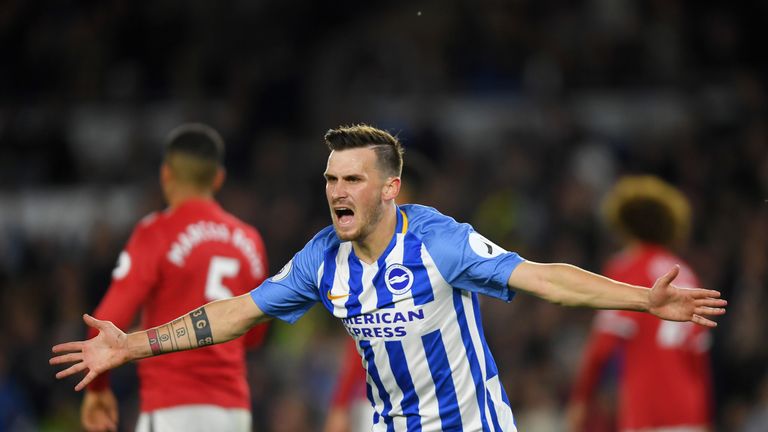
(344, 215)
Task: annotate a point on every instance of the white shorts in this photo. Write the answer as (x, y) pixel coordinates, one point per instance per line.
(195, 418)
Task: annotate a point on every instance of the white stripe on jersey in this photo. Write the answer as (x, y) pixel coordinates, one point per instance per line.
(503, 411)
(368, 298)
(462, 375)
(466, 299)
(342, 274)
(421, 377)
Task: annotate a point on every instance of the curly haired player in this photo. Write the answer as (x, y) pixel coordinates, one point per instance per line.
(664, 378)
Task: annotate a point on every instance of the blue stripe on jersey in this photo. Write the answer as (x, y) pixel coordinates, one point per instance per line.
(490, 365)
(355, 286)
(373, 372)
(437, 360)
(504, 397)
(384, 299)
(369, 394)
(329, 271)
(474, 363)
(492, 409)
(422, 288)
(410, 402)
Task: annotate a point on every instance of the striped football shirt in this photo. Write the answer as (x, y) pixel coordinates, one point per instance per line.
(415, 317)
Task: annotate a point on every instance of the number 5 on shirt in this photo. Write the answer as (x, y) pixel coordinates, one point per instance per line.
(218, 269)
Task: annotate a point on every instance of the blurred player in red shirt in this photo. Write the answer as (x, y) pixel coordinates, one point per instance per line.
(190, 254)
(664, 378)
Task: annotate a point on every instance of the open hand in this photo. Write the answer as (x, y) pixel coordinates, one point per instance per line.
(106, 351)
(672, 303)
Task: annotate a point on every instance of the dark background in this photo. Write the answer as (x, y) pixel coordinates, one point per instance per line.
(516, 116)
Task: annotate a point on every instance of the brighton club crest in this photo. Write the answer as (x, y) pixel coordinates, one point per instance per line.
(398, 279)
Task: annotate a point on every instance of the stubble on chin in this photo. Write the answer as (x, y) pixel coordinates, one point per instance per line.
(344, 235)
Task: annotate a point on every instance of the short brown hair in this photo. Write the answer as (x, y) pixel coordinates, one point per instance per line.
(194, 152)
(389, 151)
(647, 209)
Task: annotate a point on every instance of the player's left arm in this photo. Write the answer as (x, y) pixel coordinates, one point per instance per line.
(572, 286)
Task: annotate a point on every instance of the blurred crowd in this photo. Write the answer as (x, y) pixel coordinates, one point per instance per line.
(516, 117)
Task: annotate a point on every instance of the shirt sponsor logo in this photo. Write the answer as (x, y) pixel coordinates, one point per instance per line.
(398, 279)
(382, 324)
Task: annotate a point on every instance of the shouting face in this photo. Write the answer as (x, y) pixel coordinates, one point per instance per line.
(354, 188)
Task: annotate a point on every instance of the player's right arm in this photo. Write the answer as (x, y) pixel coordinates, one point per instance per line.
(213, 323)
(572, 286)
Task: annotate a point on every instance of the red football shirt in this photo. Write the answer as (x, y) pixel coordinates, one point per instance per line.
(665, 372)
(174, 262)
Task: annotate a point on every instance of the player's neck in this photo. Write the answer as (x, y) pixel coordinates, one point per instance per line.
(373, 245)
(179, 197)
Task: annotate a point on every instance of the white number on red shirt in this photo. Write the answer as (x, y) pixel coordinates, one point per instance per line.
(220, 268)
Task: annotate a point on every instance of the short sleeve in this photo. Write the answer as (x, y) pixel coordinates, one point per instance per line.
(135, 275)
(290, 293)
(467, 260)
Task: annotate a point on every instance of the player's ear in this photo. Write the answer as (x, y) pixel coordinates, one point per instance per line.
(165, 173)
(218, 180)
(391, 188)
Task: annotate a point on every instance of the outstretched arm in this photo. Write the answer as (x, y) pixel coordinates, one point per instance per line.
(571, 286)
(214, 323)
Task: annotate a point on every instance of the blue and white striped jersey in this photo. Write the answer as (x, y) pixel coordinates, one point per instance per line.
(415, 316)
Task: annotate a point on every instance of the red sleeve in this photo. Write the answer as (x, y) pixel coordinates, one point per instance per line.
(352, 375)
(597, 353)
(132, 280)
